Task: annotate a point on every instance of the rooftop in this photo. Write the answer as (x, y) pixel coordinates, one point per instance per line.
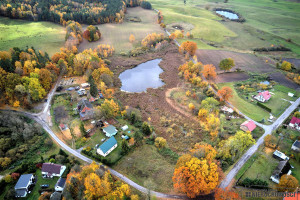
(23, 181)
(249, 124)
(111, 130)
(108, 144)
(51, 168)
(296, 143)
(295, 120)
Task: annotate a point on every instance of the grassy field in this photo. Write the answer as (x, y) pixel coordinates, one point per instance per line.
(46, 36)
(118, 34)
(145, 165)
(266, 22)
(254, 112)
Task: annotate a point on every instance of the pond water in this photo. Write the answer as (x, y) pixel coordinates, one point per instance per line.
(141, 77)
(228, 15)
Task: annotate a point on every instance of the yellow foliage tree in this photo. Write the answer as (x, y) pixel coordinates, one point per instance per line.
(131, 38)
(95, 188)
(160, 142)
(191, 106)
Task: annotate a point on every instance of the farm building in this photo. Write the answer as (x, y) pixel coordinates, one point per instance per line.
(263, 96)
(295, 123)
(282, 168)
(23, 184)
(110, 131)
(280, 156)
(248, 125)
(296, 146)
(107, 147)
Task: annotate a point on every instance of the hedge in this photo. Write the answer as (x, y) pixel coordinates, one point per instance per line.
(254, 183)
(146, 5)
(264, 107)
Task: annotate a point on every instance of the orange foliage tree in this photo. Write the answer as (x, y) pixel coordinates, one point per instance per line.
(221, 194)
(225, 93)
(209, 71)
(188, 47)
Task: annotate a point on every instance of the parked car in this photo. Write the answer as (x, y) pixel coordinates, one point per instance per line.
(45, 186)
(59, 88)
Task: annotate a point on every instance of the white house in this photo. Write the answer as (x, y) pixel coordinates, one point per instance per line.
(296, 146)
(263, 96)
(22, 186)
(85, 85)
(107, 147)
(49, 170)
(280, 156)
(60, 184)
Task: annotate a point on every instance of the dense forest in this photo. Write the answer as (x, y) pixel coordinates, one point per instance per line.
(25, 76)
(61, 11)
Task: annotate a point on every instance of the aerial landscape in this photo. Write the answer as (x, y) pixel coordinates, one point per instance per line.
(149, 99)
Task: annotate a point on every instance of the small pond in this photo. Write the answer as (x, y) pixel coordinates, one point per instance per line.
(141, 77)
(227, 14)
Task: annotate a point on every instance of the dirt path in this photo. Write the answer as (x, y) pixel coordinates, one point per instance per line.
(177, 107)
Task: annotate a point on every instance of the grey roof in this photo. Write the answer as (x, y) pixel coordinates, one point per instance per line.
(111, 130)
(20, 192)
(106, 146)
(85, 103)
(282, 168)
(61, 182)
(23, 181)
(297, 143)
(55, 196)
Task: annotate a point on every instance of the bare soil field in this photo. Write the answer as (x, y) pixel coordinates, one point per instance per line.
(246, 62)
(231, 77)
(280, 78)
(153, 103)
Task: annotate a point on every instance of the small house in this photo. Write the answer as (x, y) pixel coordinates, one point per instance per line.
(296, 146)
(280, 156)
(107, 147)
(124, 128)
(85, 109)
(282, 168)
(248, 125)
(295, 123)
(23, 184)
(110, 131)
(291, 94)
(226, 109)
(49, 170)
(263, 96)
(85, 85)
(60, 184)
(63, 127)
(92, 99)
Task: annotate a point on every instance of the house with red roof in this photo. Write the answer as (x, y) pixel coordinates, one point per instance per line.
(85, 109)
(295, 123)
(263, 96)
(248, 125)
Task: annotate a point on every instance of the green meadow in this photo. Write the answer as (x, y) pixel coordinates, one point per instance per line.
(45, 36)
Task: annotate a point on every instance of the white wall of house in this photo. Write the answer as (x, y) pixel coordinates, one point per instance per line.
(62, 169)
(99, 151)
(59, 189)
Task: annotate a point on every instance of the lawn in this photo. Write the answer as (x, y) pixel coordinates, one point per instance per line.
(254, 112)
(277, 102)
(45, 36)
(40, 181)
(145, 165)
(117, 35)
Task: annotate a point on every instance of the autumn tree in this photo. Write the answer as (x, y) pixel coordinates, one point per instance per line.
(212, 125)
(287, 183)
(191, 106)
(287, 66)
(160, 142)
(226, 64)
(195, 177)
(202, 114)
(188, 47)
(45, 196)
(222, 194)
(110, 108)
(270, 141)
(225, 93)
(235, 145)
(45, 78)
(204, 151)
(131, 38)
(209, 71)
(92, 33)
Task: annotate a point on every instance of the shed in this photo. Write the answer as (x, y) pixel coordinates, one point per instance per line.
(110, 131)
(296, 146)
(280, 156)
(124, 128)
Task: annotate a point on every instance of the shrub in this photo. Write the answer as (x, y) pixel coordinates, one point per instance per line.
(264, 107)
(146, 5)
(254, 183)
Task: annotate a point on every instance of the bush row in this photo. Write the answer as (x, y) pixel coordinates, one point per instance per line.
(275, 48)
(254, 183)
(264, 107)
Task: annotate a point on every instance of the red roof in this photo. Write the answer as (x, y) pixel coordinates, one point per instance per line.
(266, 95)
(92, 99)
(85, 109)
(249, 124)
(295, 120)
(62, 126)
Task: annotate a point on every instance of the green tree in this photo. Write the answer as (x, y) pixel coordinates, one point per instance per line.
(125, 147)
(146, 129)
(226, 64)
(138, 138)
(93, 87)
(82, 129)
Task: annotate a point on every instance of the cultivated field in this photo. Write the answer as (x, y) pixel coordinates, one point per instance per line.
(45, 36)
(267, 23)
(118, 34)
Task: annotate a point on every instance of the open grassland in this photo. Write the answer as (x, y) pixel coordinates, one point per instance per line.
(267, 22)
(118, 34)
(45, 36)
(254, 112)
(147, 167)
